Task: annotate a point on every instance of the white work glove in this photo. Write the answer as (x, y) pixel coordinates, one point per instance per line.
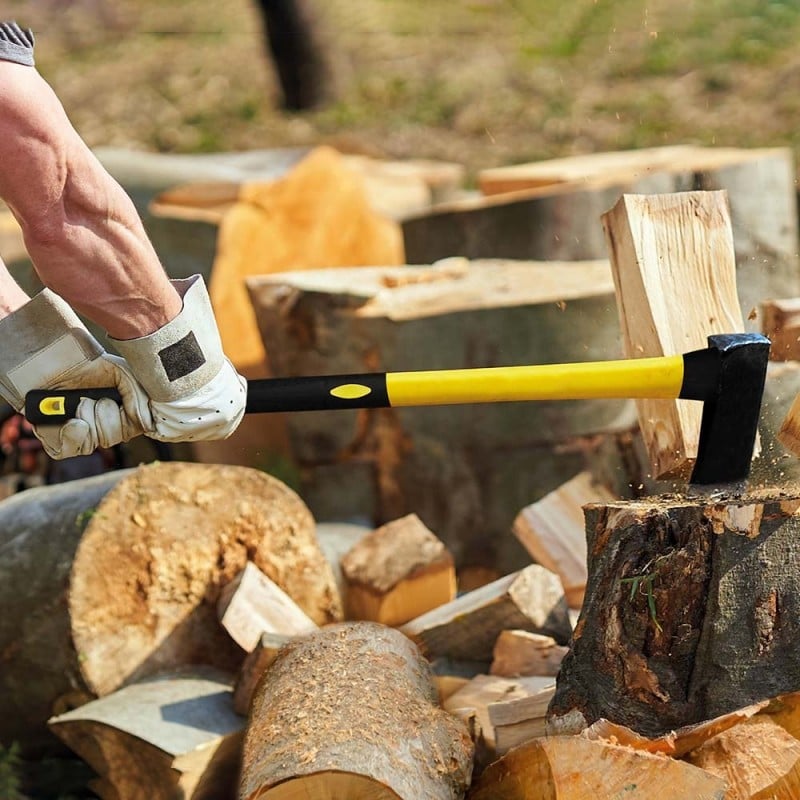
(193, 390)
(46, 346)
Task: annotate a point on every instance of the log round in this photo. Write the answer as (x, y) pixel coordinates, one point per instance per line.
(107, 580)
(352, 712)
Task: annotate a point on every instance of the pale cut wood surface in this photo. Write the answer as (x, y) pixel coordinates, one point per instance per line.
(398, 572)
(758, 760)
(780, 323)
(552, 530)
(252, 604)
(523, 653)
(467, 627)
(571, 768)
(674, 269)
(352, 711)
(171, 735)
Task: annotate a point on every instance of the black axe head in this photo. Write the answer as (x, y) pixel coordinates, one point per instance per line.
(729, 378)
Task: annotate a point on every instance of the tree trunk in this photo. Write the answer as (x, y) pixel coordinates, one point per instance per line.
(352, 712)
(110, 579)
(691, 611)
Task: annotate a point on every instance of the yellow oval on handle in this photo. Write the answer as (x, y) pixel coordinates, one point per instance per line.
(52, 406)
(350, 391)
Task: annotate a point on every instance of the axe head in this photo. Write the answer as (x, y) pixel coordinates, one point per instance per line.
(729, 378)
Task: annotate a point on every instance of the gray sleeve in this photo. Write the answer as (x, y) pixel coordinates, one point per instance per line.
(16, 44)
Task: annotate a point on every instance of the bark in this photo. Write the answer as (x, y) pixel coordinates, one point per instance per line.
(352, 711)
(691, 611)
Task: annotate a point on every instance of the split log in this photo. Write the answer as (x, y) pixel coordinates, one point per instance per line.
(655, 657)
(571, 768)
(518, 653)
(552, 531)
(398, 572)
(252, 604)
(253, 667)
(667, 252)
(780, 323)
(488, 460)
(174, 735)
(110, 579)
(351, 677)
(316, 216)
(484, 690)
(758, 759)
(467, 627)
(336, 539)
(559, 222)
(517, 721)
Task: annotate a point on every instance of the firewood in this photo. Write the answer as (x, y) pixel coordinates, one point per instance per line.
(518, 653)
(780, 323)
(110, 579)
(398, 572)
(690, 611)
(170, 736)
(552, 531)
(483, 691)
(467, 627)
(571, 768)
(515, 721)
(252, 604)
(757, 759)
(382, 464)
(667, 251)
(254, 666)
(335, 540)
(676, 743)
(315, 216)
(559, 222)
(352, 711)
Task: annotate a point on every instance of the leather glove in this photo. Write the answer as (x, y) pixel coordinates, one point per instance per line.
(194, 391)
(46, 346)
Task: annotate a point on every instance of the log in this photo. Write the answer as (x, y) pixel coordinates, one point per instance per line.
(757, 759)
(254, 666)
(780, 323)
(674, 268)
(559, 222)
(571, 768)
(252, 604)
(655, 658)
(488, 460)
(552, 531)
(398, 572)
(518, 653)
(315, 216)
(480, 693)
(352, 677)
(520, 720)
(109, 579)
(467, 627)
(170, 736)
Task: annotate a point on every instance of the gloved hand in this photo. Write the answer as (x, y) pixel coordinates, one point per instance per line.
(46, 346)
(193, 390)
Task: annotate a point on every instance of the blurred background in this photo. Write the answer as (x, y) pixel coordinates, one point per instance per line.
(483, 83)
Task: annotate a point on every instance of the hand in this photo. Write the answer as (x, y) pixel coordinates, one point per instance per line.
(46, 346)
(193, 391)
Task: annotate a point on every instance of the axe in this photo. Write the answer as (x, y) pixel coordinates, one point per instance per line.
(727, 377)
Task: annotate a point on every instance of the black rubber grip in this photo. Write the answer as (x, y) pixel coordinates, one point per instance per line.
(318, 393)
(55, 407)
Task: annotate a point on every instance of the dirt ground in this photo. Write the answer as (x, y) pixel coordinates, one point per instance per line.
(481, 82)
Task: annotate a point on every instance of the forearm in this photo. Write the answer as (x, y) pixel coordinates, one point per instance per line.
(82, 231)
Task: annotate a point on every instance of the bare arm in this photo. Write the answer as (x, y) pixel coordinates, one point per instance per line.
(82, 231)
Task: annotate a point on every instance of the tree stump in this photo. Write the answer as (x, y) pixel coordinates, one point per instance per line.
(352, 712)
(110, 579)
(691, 611)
